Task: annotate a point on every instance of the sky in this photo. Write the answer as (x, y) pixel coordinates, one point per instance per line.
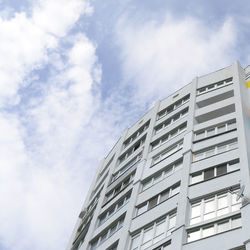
(73, 75)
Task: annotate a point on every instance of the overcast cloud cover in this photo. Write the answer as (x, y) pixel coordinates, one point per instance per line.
(73, 75)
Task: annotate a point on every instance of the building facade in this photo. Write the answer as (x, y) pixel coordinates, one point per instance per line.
(179, 178)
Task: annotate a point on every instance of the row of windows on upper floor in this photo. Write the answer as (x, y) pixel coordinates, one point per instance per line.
(211, 207)
(214, 228)
(124, 169)
(168, 136)
(214, 86)
(143, 128)
(108, 232)
(157, 199)
(214, 206)
(215, 171)
(171, 120)
(132, 149)
(216, 149)
(215, 130)
(154, 232)
(114, 208)
(118, 188)
(173, 107)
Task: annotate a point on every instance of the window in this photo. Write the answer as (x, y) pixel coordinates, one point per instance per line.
(195, 213)
(173, 107)
(167, 152)
(116, 190)
(217, 149)
(152, 202)
(165, 246)
(171, 224)
(216, 130)
(222, 169)
(123, 170)
(215, 228)
(214, 86)
(135, 242)
(156, 200)
(197, 177)
(169, 136)
(152, 234)
(166, 172)
(107, 233)
(113, 209)
(208, 174)
(136, 134)
(215, 171)
(208, 231)
(132, 149)
(216, 206)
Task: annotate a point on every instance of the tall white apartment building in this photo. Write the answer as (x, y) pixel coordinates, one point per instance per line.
(179, 178)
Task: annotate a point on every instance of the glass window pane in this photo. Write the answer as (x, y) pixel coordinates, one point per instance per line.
(231, 125)
(175, 190)
(196, 178)
(221, 170)
(157, 177)
(177, 166)
(221, 148)
(152, 202)
(198, 156)
(202, 90)
(160, 228)
(111, 211)
(104, 237)
(222, 211)
(200, 135)
(223, 226)
(135, 242)
(209, 173)
(146, 184)
(219, 84)
(233, 165)
(112, 230)
(164, 195)
(148, 235)
(232, 145)
(211, 87)
(209, 206)
(195, 235)
(236, 222)
(211, 132)
(169, 171)
(142, 209)
(208, 231)
(222, 202)
(196, 211)
(172, 221)
(221, 129)
(210, 152)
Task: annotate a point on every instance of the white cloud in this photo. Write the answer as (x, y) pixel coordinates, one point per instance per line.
(40, 167)
(161, 56)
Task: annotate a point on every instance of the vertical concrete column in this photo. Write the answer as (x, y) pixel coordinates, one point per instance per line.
(179, 235)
